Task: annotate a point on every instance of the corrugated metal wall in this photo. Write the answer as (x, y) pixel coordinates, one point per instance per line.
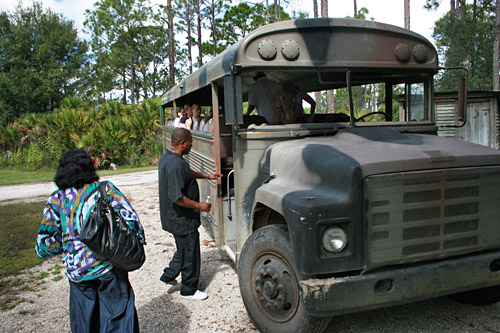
(483, 118)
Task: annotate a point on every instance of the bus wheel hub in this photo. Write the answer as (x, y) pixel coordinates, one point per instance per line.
(275, 288)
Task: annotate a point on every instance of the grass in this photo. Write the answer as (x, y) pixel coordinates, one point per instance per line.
(13, 177)
(18, 229)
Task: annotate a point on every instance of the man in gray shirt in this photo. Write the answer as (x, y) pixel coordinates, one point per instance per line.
(262, 95)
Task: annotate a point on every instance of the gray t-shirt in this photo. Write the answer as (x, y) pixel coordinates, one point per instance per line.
(263, 95)
(176, 180)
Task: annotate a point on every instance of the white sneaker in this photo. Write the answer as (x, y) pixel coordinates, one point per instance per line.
(197, 296)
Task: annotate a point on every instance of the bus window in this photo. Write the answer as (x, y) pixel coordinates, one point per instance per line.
(416, 102)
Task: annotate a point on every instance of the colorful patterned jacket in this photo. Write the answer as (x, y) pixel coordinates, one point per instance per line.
(63, 216)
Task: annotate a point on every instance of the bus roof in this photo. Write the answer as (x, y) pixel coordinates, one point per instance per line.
(322, 46)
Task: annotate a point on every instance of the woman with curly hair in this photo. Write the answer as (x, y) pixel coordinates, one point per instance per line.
(101, 297)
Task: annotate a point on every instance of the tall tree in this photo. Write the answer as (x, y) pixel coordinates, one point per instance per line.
(324, 8)
(41, 57)
(168, 10)
(199, 37)
(119, 30)
(496, 49)
(407, 14)
(464, 37)
(355, 9)
(330, 105)
(212, 9)
(186, 13)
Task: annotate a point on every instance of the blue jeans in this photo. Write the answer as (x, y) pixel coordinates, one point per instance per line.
(104, 304)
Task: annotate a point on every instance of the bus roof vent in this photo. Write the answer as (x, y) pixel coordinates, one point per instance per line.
(420, 53)
(267, 50)
(290, 49)
(402, 52)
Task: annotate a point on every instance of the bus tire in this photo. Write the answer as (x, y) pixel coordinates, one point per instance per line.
(482, 296)
(269, 285)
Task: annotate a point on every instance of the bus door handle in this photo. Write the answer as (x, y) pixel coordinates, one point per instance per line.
(229, 215)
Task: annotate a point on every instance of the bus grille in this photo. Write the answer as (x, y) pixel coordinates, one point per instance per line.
(430, 215)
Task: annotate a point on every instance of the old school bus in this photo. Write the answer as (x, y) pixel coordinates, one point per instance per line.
(342, 212)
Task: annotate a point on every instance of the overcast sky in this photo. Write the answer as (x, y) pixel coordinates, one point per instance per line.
(386, 11)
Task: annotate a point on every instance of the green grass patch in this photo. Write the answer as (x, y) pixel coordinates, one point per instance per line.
(18, 229)
(13, 177)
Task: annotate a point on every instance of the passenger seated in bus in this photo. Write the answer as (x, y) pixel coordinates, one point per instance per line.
(262, 95)
(204, 123)
(178, 118)
(289, 104)
(193, 122)
(184, 111)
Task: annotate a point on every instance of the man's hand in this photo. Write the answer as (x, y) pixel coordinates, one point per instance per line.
(213, 176)
(205, 206)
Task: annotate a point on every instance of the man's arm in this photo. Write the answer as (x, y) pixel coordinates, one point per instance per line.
(188, 203)
(201, 175)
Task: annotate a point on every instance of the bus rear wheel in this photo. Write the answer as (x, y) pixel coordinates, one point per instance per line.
(269, 285)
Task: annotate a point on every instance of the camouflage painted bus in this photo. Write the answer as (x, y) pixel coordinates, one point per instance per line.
(352, 210)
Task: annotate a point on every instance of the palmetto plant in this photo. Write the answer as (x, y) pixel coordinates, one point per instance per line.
(115, 133)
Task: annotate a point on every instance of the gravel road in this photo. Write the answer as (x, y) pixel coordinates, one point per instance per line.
(161, 309)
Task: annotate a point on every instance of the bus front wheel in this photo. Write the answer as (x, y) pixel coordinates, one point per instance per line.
(269, 285)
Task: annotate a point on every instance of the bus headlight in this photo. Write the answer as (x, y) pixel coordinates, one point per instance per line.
(334, 239)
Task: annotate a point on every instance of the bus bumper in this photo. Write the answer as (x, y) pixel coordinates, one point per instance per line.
(335, 296)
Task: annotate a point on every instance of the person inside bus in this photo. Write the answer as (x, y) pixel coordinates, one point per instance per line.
(289, 104)
(184, 118)
(193, 121)
(178, 118)
(262, 95)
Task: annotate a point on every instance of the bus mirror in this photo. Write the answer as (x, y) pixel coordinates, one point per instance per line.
(462, 98)
(233, 101)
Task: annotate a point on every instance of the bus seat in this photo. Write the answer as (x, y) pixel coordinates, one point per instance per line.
(253, 119)
(330, 118)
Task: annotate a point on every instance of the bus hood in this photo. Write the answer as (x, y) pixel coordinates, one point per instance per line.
(369, 151)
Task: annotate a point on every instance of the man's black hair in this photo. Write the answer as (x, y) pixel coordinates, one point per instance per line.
(180, 134)
(75, 170)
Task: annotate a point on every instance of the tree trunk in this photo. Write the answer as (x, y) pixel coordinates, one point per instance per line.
(200, 50)
(496, 50)
(324, 8)
(188, 22)
(275, 10)
(132, 86)
(407, 14)
(355, 9)
(330, 105)
(267, 12)
(317, 94)
(124, 87)
(171, 55)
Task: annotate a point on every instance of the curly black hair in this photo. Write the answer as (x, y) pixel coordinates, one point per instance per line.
(75, 170)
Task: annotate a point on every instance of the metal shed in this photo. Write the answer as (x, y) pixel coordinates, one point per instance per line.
(483, 117)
